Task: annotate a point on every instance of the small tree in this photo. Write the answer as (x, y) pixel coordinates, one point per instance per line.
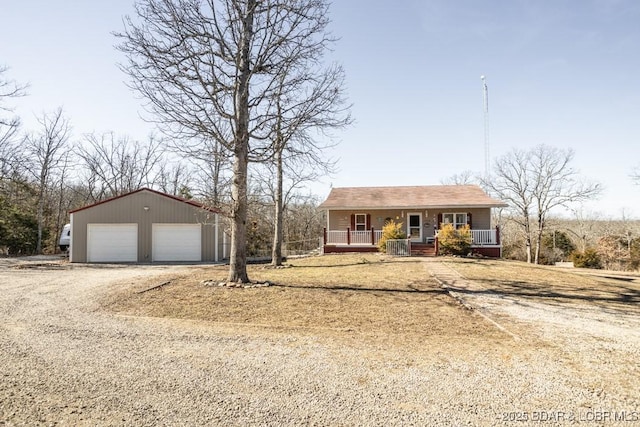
(392, 230)
(587, 259)
(454, 241)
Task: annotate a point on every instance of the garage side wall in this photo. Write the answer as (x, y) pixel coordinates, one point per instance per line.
(144, 208)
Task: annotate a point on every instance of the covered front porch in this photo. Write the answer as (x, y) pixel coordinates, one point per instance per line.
(483, 241)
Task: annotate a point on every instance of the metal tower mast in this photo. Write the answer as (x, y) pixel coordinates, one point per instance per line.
(485, 98)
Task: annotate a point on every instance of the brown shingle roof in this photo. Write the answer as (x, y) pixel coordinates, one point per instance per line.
(425, 197)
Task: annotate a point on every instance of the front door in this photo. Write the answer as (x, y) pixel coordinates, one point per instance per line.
(414, 227)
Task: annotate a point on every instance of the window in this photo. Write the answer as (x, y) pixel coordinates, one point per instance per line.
(457, 219)
(361, 222)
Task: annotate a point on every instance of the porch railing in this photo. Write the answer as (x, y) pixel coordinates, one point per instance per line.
(371, 237)
(352, 237)
(337, 237)
(484, 237)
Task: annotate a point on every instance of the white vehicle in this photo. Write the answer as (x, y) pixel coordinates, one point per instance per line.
(65, 238)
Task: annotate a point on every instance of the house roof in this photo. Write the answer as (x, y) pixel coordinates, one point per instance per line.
(179, 199)
(420, 197)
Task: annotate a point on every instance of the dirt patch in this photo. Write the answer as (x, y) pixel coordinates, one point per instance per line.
(378, 299)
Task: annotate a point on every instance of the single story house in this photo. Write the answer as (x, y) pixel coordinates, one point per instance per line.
(146, 226)
(355, 216)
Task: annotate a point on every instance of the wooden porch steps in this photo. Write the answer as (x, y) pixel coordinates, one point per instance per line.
(423, 249)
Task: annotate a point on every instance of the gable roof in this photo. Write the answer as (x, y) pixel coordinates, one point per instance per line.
(159, 193)
(419, 197)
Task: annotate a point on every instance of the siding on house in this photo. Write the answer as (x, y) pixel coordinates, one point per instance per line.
(162, 208)
(341, 219)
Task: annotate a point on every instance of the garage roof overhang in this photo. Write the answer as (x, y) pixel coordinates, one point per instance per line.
(170, 196)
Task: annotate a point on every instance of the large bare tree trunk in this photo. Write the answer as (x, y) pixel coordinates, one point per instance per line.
(278, 235)
(238, 259)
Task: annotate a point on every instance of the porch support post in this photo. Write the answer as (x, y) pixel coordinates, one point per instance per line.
(324, 235)
(373, 237)
(497, 234)
(348, 236)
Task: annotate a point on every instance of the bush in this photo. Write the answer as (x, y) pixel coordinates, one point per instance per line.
(587, 259)
(452, 241)
(391, 231)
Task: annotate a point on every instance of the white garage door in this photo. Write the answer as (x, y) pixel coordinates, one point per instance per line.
(176, 242)
(112, 242)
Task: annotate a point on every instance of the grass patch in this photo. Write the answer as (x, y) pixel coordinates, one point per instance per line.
(392, 300)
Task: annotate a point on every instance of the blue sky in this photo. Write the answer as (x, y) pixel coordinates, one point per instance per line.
(561, 73)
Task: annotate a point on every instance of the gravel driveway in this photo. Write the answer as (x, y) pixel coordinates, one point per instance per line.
(67, 361)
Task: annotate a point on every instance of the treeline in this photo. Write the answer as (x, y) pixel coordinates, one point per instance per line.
(536, 184)
(590, 242)
(47, 171)
(37, 193)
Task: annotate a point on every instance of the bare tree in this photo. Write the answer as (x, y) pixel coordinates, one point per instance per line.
(8, 125)
(118, 165)
(174, 178)
(211, 165)
(303, 223)
(309, 100)
(211, 68)
(47, 152)
(535, 182)
(463, 178)
(635, 175)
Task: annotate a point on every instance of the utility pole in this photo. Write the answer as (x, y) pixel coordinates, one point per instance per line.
(485, 105)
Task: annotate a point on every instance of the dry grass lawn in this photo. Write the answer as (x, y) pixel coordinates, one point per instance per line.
(390, 301)
(610, 290)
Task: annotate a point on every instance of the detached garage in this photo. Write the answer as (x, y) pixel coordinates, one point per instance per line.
(146, 226)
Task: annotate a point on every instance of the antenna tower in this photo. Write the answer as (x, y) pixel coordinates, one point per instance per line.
(485, 105)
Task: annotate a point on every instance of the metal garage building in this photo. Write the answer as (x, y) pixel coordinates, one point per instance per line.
(146, 226)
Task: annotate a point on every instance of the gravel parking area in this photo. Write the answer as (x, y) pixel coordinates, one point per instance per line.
(67, 361)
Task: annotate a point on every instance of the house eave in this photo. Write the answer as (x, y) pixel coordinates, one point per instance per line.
(418, 207)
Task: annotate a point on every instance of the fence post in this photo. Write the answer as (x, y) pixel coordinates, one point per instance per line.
(324, 235)
(373, 237)
(497, 234)
(348, 236)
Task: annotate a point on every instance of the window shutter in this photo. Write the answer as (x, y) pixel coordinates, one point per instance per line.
(368, 224)
(439, 224)
(353, 221)
(469, 223)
